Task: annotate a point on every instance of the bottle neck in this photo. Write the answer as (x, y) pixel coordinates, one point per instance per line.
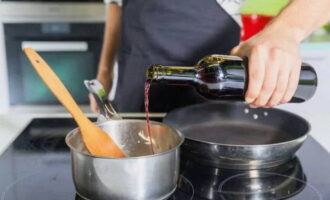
(172, 74)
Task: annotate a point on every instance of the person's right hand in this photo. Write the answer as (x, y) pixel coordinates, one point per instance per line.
(274, 67)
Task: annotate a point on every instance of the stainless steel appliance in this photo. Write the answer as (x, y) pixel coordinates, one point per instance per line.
(46, 16)
(71, 49)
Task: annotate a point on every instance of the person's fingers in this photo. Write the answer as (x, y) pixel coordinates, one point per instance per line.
(270, 79)
(293, 82)
(240, 50)
(235, 51)
(256, 72)
(255, 69)
(93, 104)
(282, 82)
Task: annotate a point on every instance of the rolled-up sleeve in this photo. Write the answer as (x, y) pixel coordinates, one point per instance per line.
(119, 2)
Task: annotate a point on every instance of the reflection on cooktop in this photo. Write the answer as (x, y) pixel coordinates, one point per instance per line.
(273, 183)
(38, 166)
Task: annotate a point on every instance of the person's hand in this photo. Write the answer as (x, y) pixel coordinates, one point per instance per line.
(273, 68)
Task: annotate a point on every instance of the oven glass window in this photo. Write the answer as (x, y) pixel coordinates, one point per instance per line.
(71, 67)
(71, 49)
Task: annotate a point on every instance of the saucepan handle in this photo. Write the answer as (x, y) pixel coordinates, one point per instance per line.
(107, 111)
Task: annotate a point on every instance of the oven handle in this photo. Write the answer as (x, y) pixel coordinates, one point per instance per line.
(56, 46)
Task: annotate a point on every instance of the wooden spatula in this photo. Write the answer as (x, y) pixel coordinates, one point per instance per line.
(96, 140)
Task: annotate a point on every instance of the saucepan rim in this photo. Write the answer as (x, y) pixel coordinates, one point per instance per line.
(75, 131)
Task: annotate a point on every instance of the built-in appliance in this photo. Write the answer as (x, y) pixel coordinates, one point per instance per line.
(71, 49)
(37, 166)
(67, 29)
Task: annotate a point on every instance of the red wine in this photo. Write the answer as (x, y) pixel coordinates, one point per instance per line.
(146, 107)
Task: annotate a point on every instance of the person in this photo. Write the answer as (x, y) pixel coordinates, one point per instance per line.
(141, 33)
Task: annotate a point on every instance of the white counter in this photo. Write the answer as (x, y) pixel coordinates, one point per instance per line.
(11, 125)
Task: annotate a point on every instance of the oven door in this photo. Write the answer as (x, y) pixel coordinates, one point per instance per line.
(73, 57)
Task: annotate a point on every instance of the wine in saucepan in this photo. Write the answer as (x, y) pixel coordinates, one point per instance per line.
(225, 78)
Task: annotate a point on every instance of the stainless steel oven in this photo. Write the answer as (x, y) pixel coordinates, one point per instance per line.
(71, 49)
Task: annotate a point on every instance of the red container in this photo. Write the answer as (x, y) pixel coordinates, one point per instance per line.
(252, 24)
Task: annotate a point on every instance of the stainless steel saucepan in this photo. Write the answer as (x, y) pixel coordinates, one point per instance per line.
(141, 175)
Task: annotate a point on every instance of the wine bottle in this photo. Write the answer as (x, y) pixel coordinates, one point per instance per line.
(222, 77)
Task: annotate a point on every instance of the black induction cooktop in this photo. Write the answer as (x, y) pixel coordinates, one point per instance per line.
(37, 166)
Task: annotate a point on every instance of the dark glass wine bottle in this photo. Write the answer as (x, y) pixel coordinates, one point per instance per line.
(224, 78)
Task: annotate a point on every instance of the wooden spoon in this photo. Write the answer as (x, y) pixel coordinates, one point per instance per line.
(96, 140)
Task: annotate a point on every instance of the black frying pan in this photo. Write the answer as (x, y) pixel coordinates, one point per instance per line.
(232, 135)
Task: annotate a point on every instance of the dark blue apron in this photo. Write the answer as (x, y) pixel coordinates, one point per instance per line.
(168, 32)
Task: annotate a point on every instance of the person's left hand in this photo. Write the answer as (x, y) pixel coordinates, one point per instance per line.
(274, 67)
